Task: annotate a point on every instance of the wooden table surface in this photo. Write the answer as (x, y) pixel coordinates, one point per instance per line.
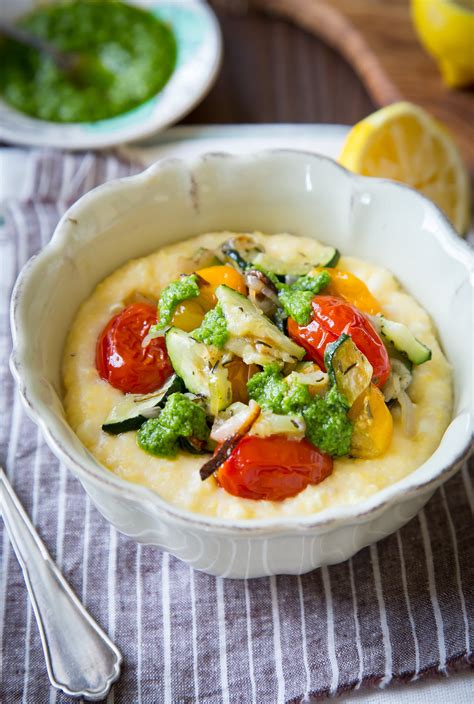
(273, 71)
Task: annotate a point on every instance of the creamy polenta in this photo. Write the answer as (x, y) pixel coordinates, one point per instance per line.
(89, 399)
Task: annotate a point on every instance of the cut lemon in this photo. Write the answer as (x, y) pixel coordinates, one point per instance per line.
(402, 142)
(446, 29)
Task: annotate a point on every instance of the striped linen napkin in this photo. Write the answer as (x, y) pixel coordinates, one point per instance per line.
(399, 610)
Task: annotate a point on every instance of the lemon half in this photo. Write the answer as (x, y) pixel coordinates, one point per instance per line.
(403, 143)
(446, 29)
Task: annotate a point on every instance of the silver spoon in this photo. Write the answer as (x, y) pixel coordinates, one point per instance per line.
(66, 61)
(81, 660)
(80, 68)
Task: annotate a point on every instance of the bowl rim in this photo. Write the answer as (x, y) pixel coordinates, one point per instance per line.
(94, 473)
(61, 139)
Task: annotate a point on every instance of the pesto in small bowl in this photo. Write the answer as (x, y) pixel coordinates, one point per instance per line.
(128, 55)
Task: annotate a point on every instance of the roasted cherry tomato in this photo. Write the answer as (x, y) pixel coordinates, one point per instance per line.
(239, 373)
(120, 358)
(354, 291)
(273, 468)
(217, 275)
(189, 314)
(372, 424)
(331, 317)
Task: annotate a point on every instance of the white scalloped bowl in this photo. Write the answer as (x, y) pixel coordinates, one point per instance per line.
(386, 223)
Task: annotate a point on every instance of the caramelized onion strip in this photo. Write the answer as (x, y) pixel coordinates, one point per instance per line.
(228, 446)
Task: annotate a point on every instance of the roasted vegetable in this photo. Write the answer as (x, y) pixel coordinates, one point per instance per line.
(241, 250)
(312, 254)
(252, 335)
(201, 369)
(351, 289)
(372, 424)
(262, 291)
(134, 409)
(404, 341)
(225, 450)
(347, 367)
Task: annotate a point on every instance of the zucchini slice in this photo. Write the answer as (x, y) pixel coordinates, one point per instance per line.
(203, 258)
(134, 409)
(347, 367)
(309, 374)
(241, 250)
(252, 335)
(200, 368)
(220, 388)
(267, 424)
(404, 341)
(301, 262)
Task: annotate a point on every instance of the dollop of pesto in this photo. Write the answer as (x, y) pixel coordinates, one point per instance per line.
(180, 418)
(312, 283)
(297, 304)
(175, 293)
(296, 298)
(327, 424)
(126, 56)
(213, 329)
(270, 390)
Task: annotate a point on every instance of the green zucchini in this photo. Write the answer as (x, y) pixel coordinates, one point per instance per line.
(404, 341)
(393, 353)
(347, 367)
(203, 258)
(241, 250)
(235, 257)
(200, 368)
(267, 424)
(307, 367)
(252, 336)
(134, 409)
(299, 263)
(245, 252)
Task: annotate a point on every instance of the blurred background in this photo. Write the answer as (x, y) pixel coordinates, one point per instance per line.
(255, 62)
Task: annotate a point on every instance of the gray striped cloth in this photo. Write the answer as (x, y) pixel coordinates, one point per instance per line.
(399, 610)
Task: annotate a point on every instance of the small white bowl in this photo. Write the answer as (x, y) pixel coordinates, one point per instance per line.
(199, 44)
(386, 223)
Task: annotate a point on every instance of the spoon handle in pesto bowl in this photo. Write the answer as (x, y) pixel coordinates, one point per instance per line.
(81, 660)
(64, 60)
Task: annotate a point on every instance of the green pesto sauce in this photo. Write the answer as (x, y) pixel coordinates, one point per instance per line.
(327, 424)
(271, 391)
(127, 57)
(296, 299)
(213, 329)
(180, 418)
(175, 293)
(297, 304)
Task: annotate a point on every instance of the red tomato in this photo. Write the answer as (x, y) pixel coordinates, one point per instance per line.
(331, 317)
(120, 358)
(272, 468)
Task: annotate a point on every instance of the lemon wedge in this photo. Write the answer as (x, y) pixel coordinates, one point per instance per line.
(403, 143)
(446, 29)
